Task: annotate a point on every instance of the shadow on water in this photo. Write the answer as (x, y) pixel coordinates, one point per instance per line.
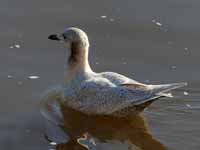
(103, 132)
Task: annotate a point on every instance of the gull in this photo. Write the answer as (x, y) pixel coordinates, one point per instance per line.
(105, 93)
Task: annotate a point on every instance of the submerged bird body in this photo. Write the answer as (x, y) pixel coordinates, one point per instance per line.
(106, 93)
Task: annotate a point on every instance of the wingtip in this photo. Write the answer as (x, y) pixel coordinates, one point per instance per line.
(162, 88)
(182, 84)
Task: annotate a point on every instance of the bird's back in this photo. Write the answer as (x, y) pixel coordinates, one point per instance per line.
(116, 78)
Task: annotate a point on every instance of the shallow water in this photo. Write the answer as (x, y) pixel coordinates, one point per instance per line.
(102, 132)
(126, 41)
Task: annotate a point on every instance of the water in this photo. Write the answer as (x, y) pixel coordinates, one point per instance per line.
(126, 41)
(103, 132)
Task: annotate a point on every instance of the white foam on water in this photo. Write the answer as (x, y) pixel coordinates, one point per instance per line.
(103, 17)
(185, 93)
(33, 77)
(17, 46)
(158, 24)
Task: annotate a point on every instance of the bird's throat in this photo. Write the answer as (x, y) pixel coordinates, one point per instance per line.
(77, 63)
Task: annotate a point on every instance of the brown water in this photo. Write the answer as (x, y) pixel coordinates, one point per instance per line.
(103, 132)
(126, 41)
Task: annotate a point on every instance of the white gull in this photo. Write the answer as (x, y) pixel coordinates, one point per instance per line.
(92, 93)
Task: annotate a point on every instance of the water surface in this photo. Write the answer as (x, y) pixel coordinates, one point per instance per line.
(127, 41)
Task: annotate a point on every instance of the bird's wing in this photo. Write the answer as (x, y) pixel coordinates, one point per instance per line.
(117, 78)
(155, 90)
(103, 97)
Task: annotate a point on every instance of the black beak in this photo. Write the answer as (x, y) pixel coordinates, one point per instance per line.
(54, 37)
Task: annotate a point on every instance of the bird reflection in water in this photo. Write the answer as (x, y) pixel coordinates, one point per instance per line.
(83, 132)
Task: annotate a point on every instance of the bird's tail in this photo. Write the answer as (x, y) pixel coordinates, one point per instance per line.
(159, 91)
(162, 89)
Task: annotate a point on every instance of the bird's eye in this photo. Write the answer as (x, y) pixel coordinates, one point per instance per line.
(64, 37)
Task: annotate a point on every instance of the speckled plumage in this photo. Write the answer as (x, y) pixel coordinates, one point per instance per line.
(102, 95)
(105, 93)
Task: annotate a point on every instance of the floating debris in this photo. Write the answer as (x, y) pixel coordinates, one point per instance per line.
(33, 77)
(17, 46)
(188, 105)
(10, 76)
(185, 93)
(186, 48)
(158, 23)
(53, 143)
(124, 63)
(147, 81)
(103, 17)
(97, 63)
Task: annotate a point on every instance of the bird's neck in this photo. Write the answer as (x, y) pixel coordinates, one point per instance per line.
(77, 66)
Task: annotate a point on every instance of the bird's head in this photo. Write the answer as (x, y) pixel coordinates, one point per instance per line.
(72, 36)
(76, 41)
